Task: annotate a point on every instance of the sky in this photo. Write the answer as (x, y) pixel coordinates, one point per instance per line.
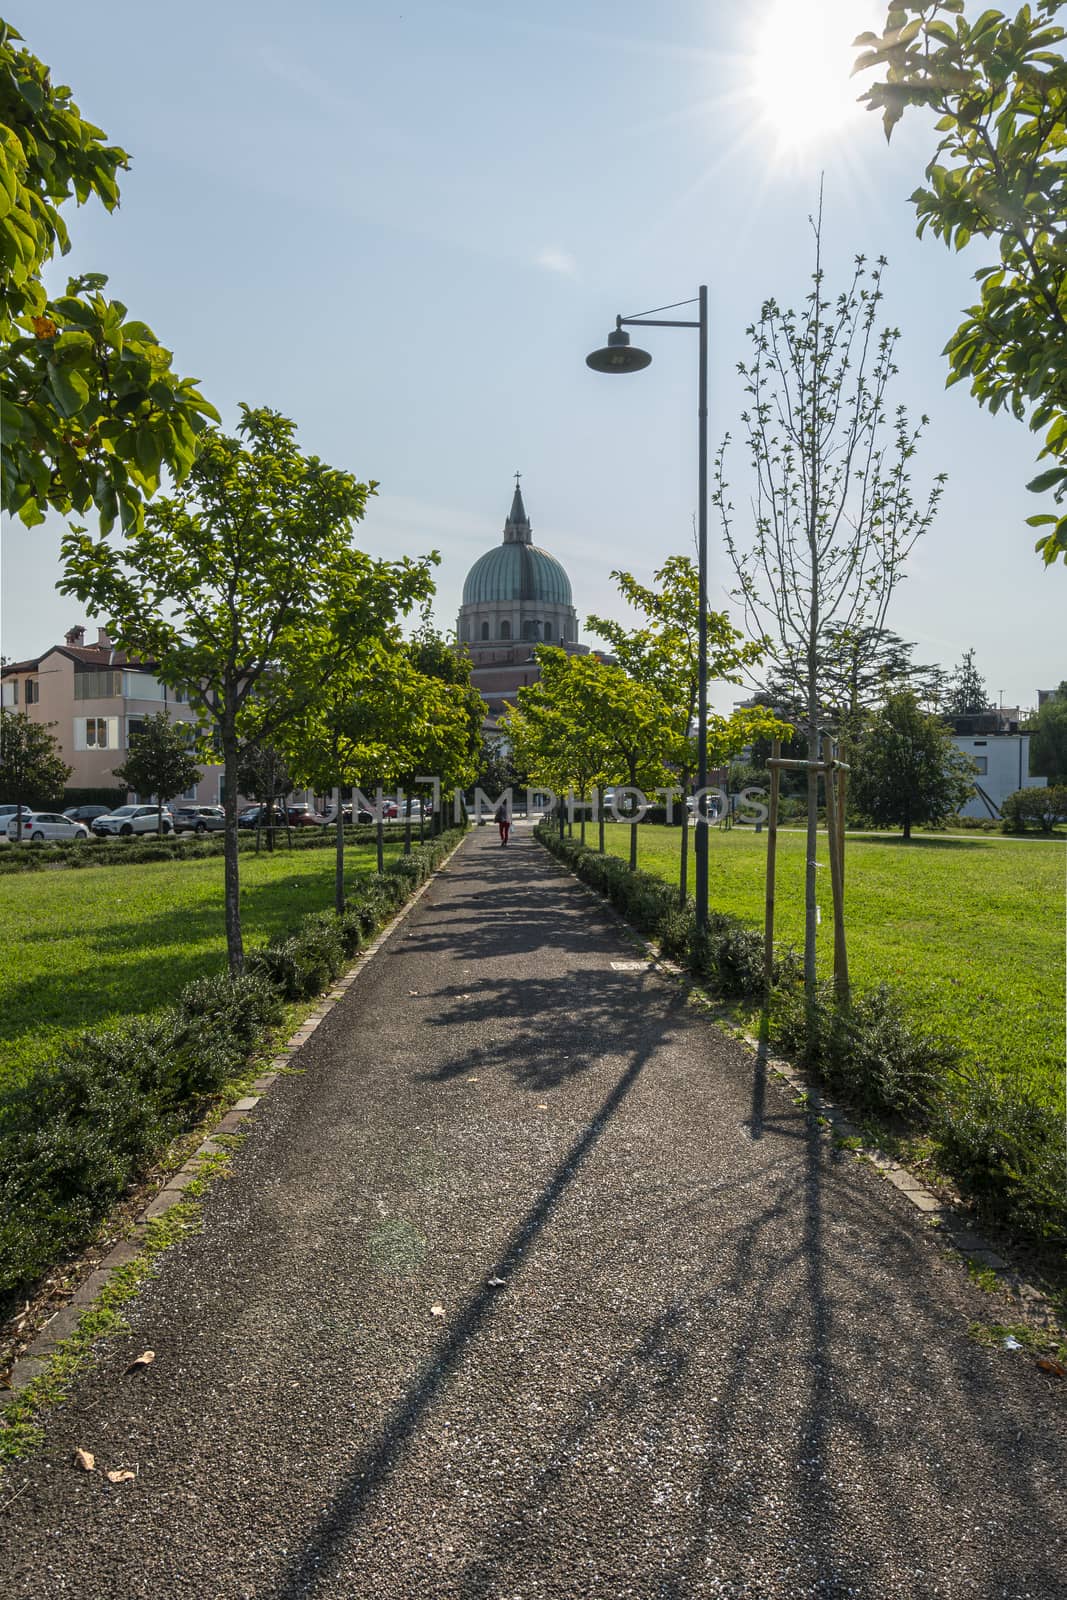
(405, 226)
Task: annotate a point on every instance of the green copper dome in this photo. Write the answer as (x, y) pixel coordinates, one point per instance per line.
(517, 572)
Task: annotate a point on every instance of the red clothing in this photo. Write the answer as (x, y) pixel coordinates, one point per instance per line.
(504, 824)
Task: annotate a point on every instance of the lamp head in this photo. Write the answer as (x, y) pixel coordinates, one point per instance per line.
(618, 355)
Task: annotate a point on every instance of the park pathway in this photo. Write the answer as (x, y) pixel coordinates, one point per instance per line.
(685, 1351)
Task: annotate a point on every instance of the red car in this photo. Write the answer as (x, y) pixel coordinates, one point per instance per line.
(304, 817)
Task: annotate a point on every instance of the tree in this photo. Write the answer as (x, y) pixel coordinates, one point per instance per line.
(966, 694)
(999, 88)
(834, 513)
(554, 731)
(662, 654)
(1048, 740)
(161, 761)
(907, 769)
(93, 412)
(32, 770)
(246, 589)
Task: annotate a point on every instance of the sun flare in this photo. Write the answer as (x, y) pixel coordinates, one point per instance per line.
(800, 69)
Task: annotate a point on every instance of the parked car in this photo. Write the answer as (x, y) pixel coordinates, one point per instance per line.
(6, 813)
(198, 819)
(304, 817)
(86, 814)
(128, 820)
(40, 825)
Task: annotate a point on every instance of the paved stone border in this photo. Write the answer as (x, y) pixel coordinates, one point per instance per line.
(62, 1324)
(954, 1224)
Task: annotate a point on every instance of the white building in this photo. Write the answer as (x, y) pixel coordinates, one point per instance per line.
(1003, 763)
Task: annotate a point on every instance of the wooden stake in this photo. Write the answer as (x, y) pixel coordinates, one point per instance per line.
(842, 781)
(837, 882)
(772, 846)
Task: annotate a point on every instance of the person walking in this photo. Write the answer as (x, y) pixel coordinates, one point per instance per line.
(503, 822)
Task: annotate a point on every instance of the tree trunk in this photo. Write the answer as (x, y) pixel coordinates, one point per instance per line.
(600, 820)
(339, 869)
(810, 880)
(407, 822)
(379, 831)
(683, 874)
(907, 819)
(234, 946)
(159, 816)
(633, 825)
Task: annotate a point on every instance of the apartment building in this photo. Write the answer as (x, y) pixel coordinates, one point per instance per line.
(97, 696)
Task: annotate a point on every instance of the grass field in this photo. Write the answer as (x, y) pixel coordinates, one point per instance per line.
(971, 932)
(84, 949)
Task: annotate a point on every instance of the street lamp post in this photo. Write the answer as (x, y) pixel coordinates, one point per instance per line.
(618, 355)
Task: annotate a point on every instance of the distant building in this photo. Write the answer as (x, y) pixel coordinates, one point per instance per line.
(1000, 750)
(516, 596)
(97, 696)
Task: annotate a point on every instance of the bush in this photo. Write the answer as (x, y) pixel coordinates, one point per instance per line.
(1042, 807)
(1005, 1152)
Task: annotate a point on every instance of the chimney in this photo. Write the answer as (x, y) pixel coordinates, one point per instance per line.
(102, 640)
(76, 636)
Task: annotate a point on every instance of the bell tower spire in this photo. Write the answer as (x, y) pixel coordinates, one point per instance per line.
(517, 527)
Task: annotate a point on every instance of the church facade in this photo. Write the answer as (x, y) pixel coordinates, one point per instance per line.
(516, 596)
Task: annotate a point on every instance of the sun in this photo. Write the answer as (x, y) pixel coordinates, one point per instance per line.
(800, 66)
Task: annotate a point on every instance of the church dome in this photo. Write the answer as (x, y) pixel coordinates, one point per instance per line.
(517, 570)
(520, 572)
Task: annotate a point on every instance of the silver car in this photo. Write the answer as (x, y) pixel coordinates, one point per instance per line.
(40, 825)
(199, 819)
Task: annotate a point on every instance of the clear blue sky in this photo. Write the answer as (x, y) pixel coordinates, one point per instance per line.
(405, 226)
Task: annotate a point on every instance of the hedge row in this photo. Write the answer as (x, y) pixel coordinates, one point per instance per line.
(184, 847)
(1002, 1148)
(90, 1122)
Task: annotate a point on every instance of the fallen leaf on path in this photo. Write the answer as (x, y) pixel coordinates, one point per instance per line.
(1050, 1364)
(413, 991)
(145, 1359)
(85, 1459)
(543, 1106)
(437, 1311)
(472, 1080)
(120, 1475)
(497, 1283)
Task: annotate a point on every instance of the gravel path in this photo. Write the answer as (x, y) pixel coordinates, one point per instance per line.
(721, 1362)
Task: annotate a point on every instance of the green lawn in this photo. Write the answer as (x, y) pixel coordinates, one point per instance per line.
(971, 932)
(87, 948)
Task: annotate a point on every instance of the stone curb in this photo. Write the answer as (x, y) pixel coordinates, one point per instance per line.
(953, 1223)
(34, 1359)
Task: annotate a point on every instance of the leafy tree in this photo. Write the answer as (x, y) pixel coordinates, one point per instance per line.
(999, 88)
(1044, 806)
(93, 412)
(966, 694)
(1048, 741)
(662, 654)
(553, 729)
(907, 769)
(32, 770)
(246, 589)
(161, 761)
(834, 514)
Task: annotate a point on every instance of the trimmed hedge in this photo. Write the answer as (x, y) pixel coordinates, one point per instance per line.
(90, 1122)
(184, 847)
(1003, 1149)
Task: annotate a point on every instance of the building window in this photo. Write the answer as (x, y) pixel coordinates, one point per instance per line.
(485, 630)
(466, 633)
(142, 686)
(11, 692)
(96, 733)
(505, 630)
(982, 763)
(97, 685)
(33, 691)
(548, 630)
(133, 725)
(529, 630)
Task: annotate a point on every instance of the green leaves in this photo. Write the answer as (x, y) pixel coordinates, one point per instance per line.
(999, 87)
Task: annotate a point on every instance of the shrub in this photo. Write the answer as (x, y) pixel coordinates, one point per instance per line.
(1042, 806)
(1005, 1151)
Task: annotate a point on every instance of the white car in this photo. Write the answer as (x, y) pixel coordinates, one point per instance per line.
(127, 820)
(39, 825)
